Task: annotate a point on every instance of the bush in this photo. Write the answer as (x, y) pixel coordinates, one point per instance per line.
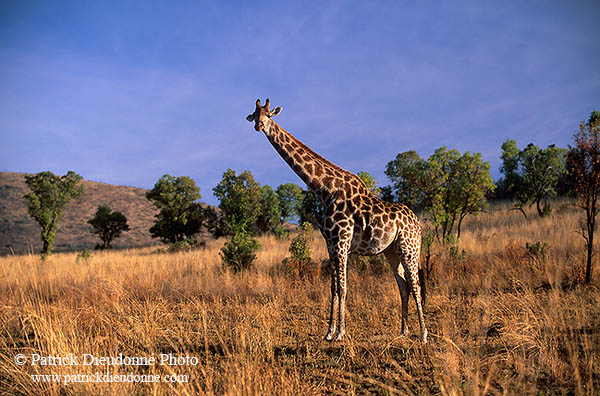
(375, 265)
(300, 246)
(515, 253)
(281, 232)
(239, 253)
(537, 250)
(181, 246)
(84, 256)
(184, 245)
(300, 263)
(455, 254)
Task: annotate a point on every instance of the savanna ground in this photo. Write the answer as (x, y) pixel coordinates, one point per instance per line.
(502, 319)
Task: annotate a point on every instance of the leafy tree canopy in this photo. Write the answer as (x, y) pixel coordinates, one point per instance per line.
(311, 209)
(181, 215)
(448, 186)
(108, 225)
(47, 200)
(240, 202)
(369, 182)
(531, 175)
(583, 162)
(405, 173)
(290, 201)
(270, 211)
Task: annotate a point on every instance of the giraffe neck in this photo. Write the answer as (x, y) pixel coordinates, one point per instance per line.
(320, 175)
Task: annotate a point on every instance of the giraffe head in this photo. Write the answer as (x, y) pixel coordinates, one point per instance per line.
(262, 114)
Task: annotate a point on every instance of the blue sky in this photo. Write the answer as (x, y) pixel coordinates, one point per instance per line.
(123, 92)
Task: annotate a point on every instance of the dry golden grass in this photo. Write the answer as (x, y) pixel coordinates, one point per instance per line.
(501, 320)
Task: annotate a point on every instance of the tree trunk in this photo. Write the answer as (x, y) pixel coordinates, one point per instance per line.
(590, 249)
(45, 242)
(460, 220)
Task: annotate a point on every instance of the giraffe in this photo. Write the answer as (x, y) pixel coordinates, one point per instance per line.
(355, 221)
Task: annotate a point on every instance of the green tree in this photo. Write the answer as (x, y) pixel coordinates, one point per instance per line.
(439, 185)
(311, 209)
(290, 201)
(406, 174)
(47, 200)
(510, 168)
(108, 225)
(181, 215)
(387, 194)
(531, 175)
(240, 202)
(474, 184)
(212, 221)
(448, 186)
(584, 168)
(270, 212)
(369, 182)
(455, 186)
(541, 170)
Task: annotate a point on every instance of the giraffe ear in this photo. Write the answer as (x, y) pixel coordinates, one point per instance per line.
(250, 117)
(275, 111)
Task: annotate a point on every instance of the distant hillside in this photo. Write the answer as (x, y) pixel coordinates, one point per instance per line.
(19, 231)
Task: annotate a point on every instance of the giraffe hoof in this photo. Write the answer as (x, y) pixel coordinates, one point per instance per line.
(330, 335)
(340, 335)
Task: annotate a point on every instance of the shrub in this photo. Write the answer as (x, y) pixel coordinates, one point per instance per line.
(515, 253)
(184, 245)
(325, 268)
(375, 265)
(84, 255)
(455, 254)
(300, 246)
(536, 251)
(239, 252)
(307, 269)
(300, 263)
(181, 246)
(281, 232)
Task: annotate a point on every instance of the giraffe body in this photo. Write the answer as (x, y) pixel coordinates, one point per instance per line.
(355, 221)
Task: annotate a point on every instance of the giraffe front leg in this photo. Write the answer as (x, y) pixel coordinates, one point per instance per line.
(332, 309)
(341, 291)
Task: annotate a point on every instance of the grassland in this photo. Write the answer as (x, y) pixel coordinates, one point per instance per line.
(503, 319)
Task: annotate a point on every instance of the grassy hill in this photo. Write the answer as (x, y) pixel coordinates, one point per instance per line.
(19, 232)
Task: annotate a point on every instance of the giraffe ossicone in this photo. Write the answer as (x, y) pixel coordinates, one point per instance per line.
(355, 221)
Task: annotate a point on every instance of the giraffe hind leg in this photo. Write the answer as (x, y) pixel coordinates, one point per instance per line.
(403, 287)
(412, 274)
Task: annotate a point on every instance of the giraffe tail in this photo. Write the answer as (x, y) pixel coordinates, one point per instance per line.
(422, 284)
